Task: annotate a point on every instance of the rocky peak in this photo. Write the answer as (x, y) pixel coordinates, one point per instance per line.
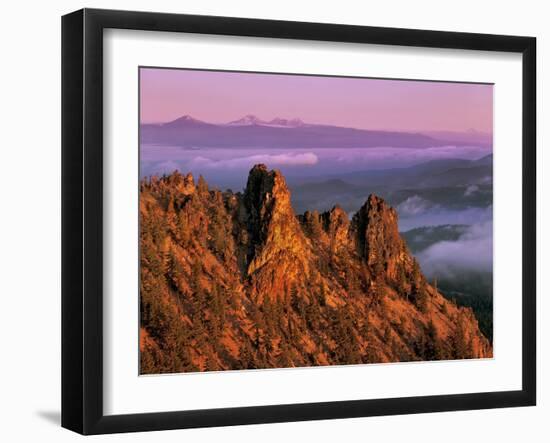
(184, 120)
(378, 240)
(181, 184)
(336, 225)
(266, 197)
(186, 185)
(259, 183)
(272, 225)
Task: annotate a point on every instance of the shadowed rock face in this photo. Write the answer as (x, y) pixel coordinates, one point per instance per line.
(277, 250)
(233, 281)
(336, 225)
(378, 240)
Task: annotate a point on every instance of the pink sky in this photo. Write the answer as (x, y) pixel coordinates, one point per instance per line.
(220, 97)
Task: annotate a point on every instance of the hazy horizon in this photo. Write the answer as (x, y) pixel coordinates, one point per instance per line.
(268, 120)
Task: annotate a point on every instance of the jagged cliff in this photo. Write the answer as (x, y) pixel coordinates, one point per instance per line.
(237, 280)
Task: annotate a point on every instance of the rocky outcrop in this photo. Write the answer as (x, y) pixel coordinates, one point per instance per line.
(336, 225)
(377, 239)
(277, 250)
(272, 224)
(235, 281)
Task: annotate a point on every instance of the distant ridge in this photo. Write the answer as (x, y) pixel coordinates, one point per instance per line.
(185, 121)
(466, 137)
(247, 120)
(251, 131)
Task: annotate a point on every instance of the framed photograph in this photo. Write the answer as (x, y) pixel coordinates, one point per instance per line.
(269, 221)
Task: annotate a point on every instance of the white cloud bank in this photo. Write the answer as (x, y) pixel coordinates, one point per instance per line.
(413, 205)
(473, 251)
(271, 160)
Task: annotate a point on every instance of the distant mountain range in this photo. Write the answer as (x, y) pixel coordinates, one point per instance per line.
(450, 183)
(252, 120)
(250, 131)
(433, 173)
(470, 137)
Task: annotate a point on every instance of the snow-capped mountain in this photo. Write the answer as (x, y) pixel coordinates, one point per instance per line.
(247, 120)
(286, 123)
(277, 122)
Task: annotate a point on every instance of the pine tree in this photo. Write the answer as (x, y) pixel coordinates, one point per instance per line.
(284, 358)
(175, 269)
(421, 299)
(246, 357)
(420, 293)
(183, 233)
(147, 363)
(202, 186)
(401, 283)
(387, 334)
(433, 349)
(460, 347)
(171, 216)
(211, 363)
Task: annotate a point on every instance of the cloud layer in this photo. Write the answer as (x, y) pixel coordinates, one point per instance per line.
(473, 251)
(414, 205)
(417, 212)
(272, 160)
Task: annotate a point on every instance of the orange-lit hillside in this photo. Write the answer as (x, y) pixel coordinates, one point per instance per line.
(237, 281)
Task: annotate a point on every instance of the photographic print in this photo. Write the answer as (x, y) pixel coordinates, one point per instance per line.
(299, 220)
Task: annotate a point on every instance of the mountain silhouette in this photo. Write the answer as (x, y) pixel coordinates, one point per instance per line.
(251, 131)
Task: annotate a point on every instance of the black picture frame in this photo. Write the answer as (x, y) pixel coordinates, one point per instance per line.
(82, 218)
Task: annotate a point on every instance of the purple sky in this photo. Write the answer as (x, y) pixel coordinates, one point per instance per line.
(220, 97)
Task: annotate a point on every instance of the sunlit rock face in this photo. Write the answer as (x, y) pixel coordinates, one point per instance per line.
(238, 280)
